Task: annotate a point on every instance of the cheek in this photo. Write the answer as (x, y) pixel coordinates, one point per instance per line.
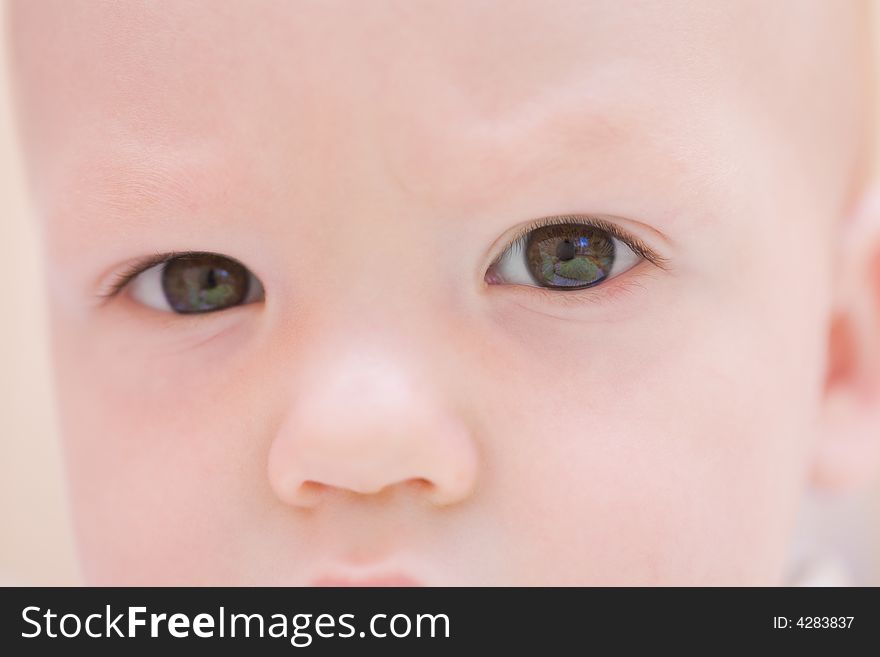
(165, 456)
(657, 452)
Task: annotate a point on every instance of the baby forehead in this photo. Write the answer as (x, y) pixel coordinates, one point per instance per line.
(452, 77)
(494, 56)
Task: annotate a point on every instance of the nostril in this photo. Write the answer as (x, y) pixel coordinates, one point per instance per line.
(308, 493)
(420, 484)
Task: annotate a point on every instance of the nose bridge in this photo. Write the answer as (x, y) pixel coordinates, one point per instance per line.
(366, 415)
(373, 404)
(373, 257)
(360, 376)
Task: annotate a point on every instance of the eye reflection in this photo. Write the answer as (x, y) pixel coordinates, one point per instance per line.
(567, 254)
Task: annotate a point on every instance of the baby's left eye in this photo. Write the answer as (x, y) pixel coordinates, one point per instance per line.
(563, 256)
(196, 283)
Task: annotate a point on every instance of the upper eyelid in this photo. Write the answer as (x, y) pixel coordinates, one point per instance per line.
(139, 266)
(122, 278)
(634, 242)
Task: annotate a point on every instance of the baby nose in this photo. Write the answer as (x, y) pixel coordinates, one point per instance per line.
(367, 428)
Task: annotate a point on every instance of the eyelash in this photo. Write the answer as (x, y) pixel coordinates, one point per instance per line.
(518, 241)
(618, 286)
(517, 244)
(141, 265)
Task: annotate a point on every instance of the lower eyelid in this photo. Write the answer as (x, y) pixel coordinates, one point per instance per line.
(602, 293)
(606, 292)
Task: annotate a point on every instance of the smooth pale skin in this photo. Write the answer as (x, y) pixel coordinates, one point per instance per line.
(385, 410)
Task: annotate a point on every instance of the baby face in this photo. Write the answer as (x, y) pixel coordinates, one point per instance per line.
(485, 294)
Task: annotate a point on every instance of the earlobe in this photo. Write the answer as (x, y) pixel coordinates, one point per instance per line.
(848, 451)
(847, 455)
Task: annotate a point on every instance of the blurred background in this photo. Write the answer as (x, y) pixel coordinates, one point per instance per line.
(839, 536)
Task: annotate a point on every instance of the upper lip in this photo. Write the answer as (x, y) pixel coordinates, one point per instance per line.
(365, 579)
(387, 579)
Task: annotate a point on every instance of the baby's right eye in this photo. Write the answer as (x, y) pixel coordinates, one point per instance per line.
(194, 282)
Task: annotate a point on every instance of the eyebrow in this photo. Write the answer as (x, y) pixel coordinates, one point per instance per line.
(573, 130)
(581, 133)
(123, 184)
(521, 154)
(130, 178)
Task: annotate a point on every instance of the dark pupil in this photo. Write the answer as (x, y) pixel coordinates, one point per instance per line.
(565, 255)
(204, 282)
(565, 250)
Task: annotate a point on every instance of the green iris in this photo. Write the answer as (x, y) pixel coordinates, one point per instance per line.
(566, 255)
(206, 282)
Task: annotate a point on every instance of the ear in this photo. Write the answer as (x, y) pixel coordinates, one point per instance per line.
(848, 449)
